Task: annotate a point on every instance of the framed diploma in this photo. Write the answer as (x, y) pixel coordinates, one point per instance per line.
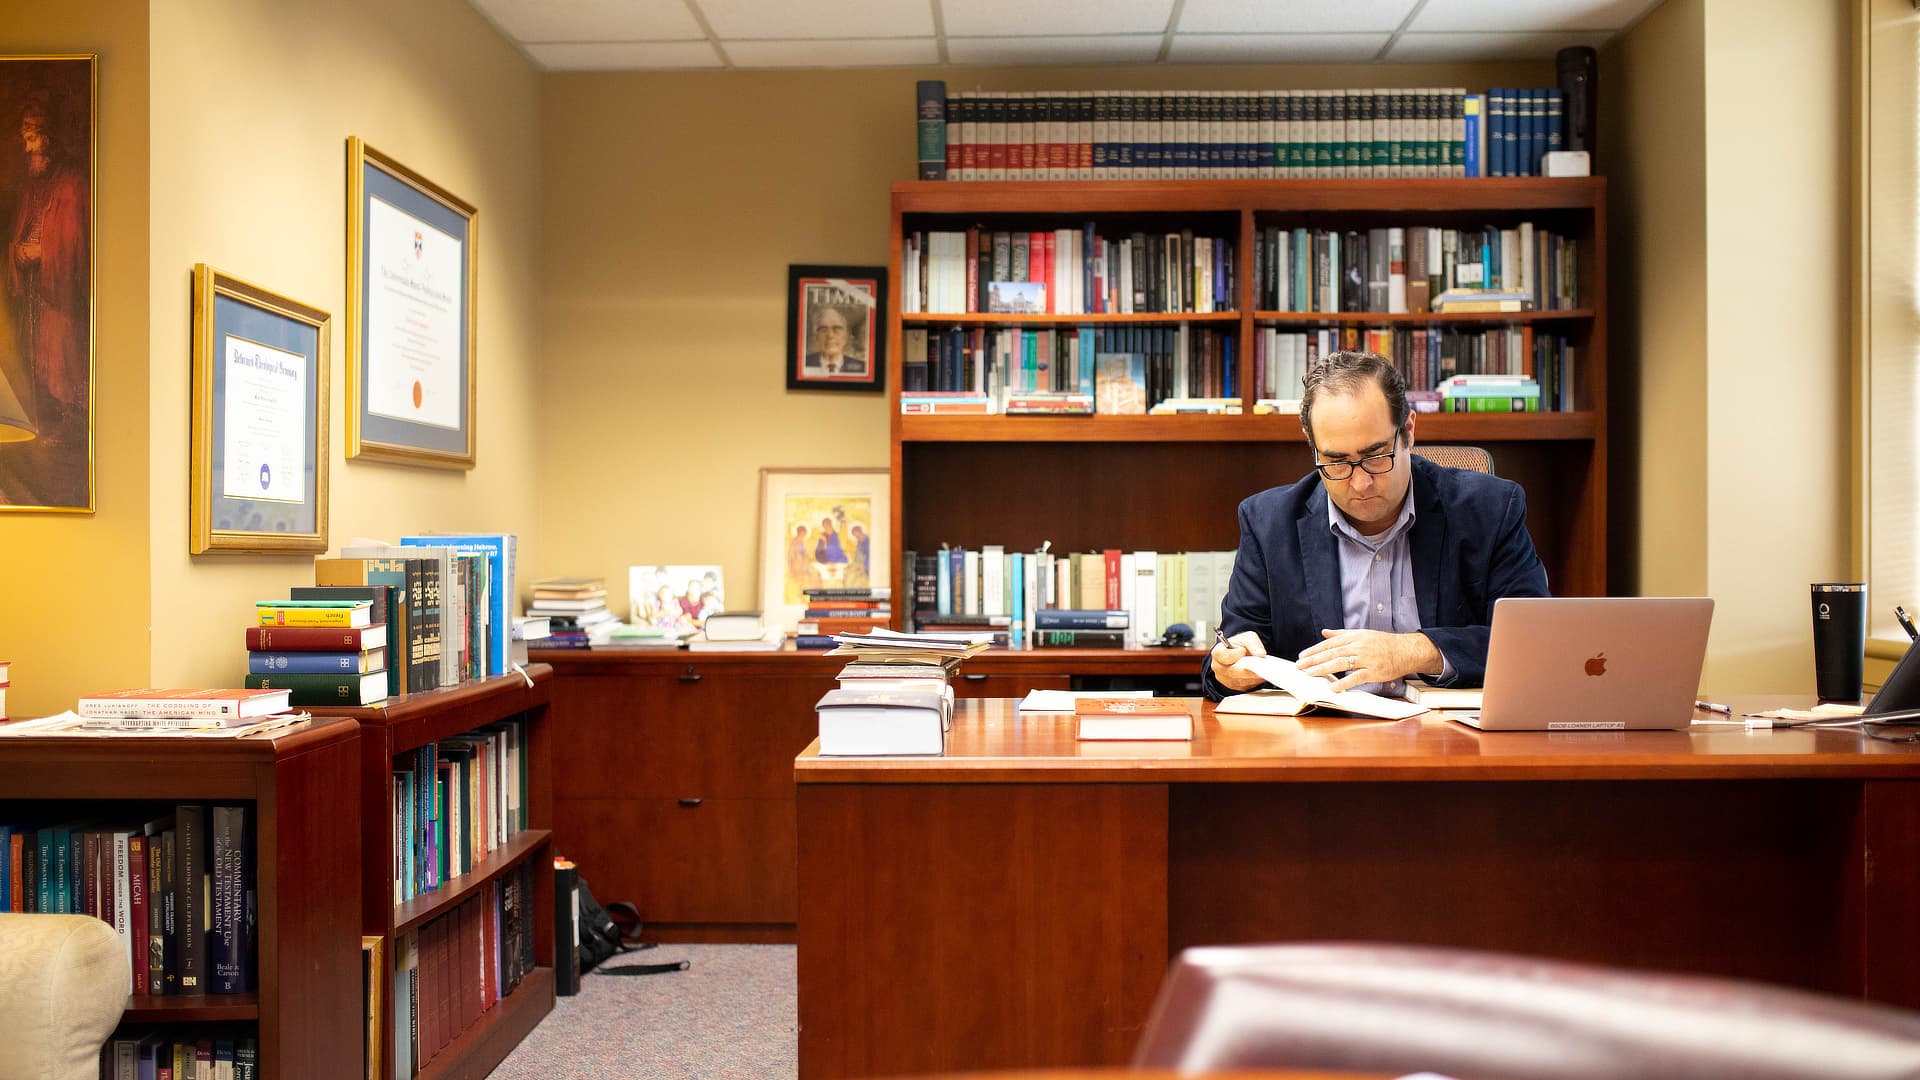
(259, 419)
(411, 262)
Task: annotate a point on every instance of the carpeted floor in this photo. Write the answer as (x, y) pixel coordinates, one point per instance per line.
(734, 1013)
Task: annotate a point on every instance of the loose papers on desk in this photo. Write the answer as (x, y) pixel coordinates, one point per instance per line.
(1316, 691)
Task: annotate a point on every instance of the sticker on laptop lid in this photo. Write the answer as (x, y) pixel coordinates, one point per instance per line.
(1586, 725)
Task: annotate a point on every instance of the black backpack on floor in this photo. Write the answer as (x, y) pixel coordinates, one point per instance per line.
(602, 935)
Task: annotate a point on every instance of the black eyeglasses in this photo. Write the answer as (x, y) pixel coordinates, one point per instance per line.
(1374, 464)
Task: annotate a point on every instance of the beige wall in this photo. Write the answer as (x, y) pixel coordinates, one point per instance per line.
(252, 106)
(673, 204)
(74, 597)
(1779, 369)
(1732, 256)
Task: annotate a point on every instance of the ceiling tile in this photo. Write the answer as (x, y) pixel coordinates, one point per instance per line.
(629, 55)
(1116, 49)
(1275, 48)
(817, 18)
(529, 21)
(1512, 16)
(1433, 48)
(1061, 18)
(1292, 16)
(891, 52)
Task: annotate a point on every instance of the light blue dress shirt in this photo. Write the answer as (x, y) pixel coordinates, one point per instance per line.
(1376, 582)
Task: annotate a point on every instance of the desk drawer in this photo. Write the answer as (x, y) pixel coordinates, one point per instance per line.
(718, 861)
(693, 734)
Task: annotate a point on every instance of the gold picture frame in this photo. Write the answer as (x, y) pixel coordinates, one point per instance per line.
(413, 261)
(49, 113)
(260, 367)
(799, 549)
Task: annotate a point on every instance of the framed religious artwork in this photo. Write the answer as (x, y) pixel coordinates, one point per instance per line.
(259, 475)
(837, 328)
(47, 177)
(412, 263)
(821, 529)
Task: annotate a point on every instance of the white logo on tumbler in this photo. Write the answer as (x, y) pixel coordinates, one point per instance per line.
(1825, 612)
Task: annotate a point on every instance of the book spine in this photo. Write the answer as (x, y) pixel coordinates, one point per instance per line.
(311, 616)
(1079, 638)
(1080, 619)
(190, 906)
(226, 940)
(316, 689)
(269, 663)
(306, 638)
(156, 925)
(138, 910)
(154, 708)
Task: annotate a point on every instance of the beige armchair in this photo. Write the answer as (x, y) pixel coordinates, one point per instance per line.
(63, 986)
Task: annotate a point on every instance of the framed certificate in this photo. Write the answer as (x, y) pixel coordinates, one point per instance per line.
(259, 475)
(411, 262)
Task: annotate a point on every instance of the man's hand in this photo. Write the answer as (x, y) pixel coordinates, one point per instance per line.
(1226, 653)
(1352, 657)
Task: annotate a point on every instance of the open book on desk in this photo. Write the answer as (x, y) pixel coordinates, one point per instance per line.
(1310, 692)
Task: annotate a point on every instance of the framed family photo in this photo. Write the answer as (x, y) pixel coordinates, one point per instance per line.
(259, 475)
(47, 119)
(412, 261)
(836, 328)
(821, 528)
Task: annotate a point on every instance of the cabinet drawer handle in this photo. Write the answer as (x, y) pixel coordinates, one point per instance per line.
(975, 678)
(689, 803)
(689, 675)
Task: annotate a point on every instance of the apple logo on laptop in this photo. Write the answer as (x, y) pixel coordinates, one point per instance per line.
(1597, 665)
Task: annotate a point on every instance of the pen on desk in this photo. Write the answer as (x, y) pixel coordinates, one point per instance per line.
(1906, 622)
(1714, 707)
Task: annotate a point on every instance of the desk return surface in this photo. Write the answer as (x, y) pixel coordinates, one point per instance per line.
(1032, 888)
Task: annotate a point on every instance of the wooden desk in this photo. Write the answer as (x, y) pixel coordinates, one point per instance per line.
(675, 770)
(1015, 903)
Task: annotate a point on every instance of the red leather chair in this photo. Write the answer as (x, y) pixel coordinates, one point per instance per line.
(1396, 1009)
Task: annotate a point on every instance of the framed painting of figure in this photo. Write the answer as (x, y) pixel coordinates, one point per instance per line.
(46, 285)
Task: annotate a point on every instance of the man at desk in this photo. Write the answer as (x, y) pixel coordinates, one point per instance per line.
(1378, 564)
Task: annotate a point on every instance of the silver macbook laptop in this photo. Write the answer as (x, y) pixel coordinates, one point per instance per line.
(1593, 663)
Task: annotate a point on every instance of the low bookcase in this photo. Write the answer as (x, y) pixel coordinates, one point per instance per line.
(301, 788)
(458, 921)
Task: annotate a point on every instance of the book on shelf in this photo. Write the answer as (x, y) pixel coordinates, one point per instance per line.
(312, 613)
(316, 638)
(883, 722)
(627, 636)
(1081, 619)
(494, 594)
(326, 688)
(768, 641)
(1079, 639)
(735, 626)
(384, 590)
(569, 588)
(930, 128)
(1131, 718)
(219, 703)
(1315, 692)
(357, 663)
(1456, 300)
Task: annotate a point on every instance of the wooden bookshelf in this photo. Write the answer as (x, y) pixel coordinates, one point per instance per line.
(302, 785)
(392, 731)
(1171, 483)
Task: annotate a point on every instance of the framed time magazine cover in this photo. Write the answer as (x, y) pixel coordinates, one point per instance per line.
(821, 528)
(836, 328)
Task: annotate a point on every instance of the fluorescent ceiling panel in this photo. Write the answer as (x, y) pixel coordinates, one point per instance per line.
(1292, 16)
(1058, 18)
(903, 52)
(1512, 16)
(818, 19)
(1432, 48)
(1117, 49)
(625, 56)
(1275, 48)
(530, 21)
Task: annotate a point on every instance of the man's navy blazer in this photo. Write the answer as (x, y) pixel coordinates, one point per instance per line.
(1469, 544)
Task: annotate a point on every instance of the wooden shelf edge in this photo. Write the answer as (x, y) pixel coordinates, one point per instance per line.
(189, 1008)
(487, 1041)
(427, 906)
(1041, 198)
(1289, 318)
(1246, 427)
